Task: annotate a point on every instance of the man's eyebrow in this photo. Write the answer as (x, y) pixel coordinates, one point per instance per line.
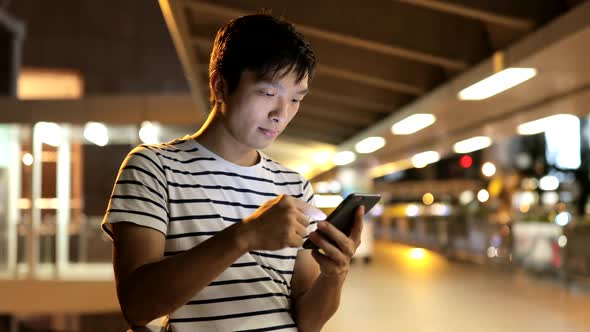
(273, 84)
(278, 86)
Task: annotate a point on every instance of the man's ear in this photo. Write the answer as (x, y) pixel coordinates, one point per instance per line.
(217, 85)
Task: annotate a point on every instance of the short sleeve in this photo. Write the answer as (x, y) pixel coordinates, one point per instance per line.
(140, 193)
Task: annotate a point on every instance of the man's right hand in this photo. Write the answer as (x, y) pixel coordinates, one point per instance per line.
(279, 223)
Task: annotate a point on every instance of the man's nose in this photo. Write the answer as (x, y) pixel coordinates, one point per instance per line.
(279, 113)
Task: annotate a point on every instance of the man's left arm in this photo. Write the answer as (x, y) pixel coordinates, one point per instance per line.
(318, 277)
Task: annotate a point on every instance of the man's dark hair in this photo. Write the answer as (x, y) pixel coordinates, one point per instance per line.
(263, 44)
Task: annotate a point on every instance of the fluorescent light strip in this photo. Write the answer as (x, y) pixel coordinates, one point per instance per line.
(541, 125)
(421, 160)
(344, 158)
(413, 123)
(499, 82)
(370, 144)
(472, 144)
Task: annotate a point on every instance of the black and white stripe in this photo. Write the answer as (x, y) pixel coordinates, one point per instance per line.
(189, 194)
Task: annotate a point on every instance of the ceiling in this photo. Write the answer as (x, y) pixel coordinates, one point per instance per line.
(376, 58)
(118, 47)
(559, 51)
(379, 61)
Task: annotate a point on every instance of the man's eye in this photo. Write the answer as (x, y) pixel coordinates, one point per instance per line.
(295, 101)
(267, 93)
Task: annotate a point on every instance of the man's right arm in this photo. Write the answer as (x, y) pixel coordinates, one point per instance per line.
(150, 286)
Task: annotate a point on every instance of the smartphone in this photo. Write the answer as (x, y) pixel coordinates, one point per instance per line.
(343, 216)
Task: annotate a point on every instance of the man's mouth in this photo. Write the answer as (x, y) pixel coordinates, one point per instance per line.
(271, 133)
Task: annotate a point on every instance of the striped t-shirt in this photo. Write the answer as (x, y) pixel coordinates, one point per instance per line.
(189, 193)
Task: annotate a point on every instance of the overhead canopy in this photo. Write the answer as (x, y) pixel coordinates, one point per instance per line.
(380, 61)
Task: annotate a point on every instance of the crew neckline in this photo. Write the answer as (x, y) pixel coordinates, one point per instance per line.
(209, 153)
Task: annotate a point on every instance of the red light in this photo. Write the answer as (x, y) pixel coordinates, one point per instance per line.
(466, 161)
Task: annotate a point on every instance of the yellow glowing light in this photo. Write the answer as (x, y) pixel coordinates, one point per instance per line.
(302, 169)
(428, 199)
(39, 83)
(495, 187)
(389, 168)
(524, 208)
(322, 157)
(417, 253)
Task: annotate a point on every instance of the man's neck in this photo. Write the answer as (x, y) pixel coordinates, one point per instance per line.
(216, 138)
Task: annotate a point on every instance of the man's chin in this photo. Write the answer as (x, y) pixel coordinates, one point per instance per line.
(263, 144)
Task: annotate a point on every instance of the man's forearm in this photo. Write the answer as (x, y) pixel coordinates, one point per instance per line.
(158, 288)
(319, 303)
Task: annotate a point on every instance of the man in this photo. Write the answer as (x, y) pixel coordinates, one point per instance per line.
(207, 229)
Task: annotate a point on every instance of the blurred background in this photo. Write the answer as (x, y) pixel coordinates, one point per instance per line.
(470, 118)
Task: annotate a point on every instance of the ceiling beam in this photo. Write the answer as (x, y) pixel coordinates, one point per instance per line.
(112, 109)
(351, 41)
(337, 115)
(363, 104)
(507, 21)
(369, 80)
(16, 26)
(174, 15)
(396, 87)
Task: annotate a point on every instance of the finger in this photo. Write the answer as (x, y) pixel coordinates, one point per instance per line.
(329, 249)
(295, 240)
(309, 210)
(357, 227)
(301, 230)
(321, 258)
(330, 231)
(302, 218)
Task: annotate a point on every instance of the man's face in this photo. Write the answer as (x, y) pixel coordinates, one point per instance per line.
(259, 110)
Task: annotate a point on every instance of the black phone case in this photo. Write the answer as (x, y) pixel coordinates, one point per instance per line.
(343, 216)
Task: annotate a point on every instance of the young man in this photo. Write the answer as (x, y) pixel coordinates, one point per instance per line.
(207, 229)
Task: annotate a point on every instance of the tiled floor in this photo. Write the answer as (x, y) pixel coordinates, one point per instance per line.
(418, 291)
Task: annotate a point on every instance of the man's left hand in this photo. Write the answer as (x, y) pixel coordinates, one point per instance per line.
(334, 261)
